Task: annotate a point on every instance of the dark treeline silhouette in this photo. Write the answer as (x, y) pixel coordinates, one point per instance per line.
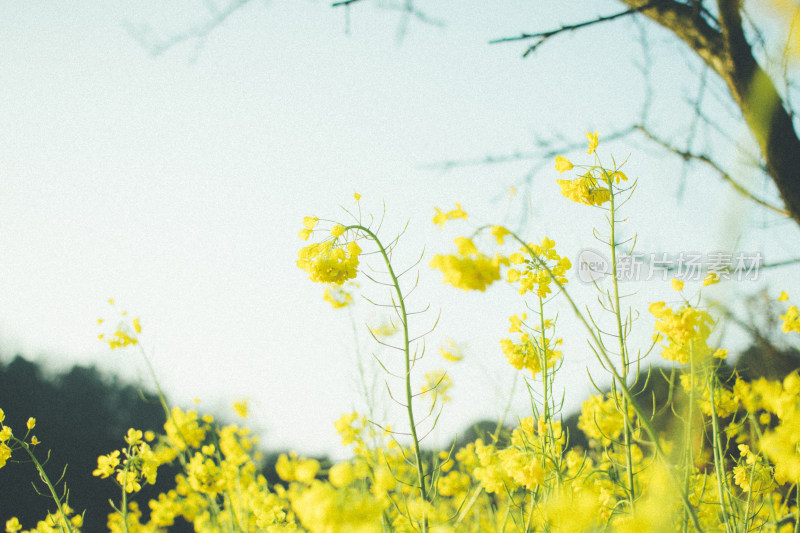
(80, 414)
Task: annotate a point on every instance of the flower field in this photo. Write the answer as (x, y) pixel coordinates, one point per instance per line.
(727, 458)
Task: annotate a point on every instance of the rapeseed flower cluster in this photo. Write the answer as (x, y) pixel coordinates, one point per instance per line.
(540, 265)
(326, 262)
(684, 331)
(791, 320)
(333, 260)
(440, 218)
(133, 465)
(533, 350)
(126, 332)
(469, 269)
(602, 418)
(592, 187)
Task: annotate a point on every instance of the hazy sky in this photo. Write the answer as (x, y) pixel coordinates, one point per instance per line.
(177, 184)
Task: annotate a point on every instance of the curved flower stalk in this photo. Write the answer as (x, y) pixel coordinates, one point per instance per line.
(335, 260)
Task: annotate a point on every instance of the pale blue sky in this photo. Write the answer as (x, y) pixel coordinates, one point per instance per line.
(177, 186)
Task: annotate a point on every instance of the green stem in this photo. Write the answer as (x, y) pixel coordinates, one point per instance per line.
(548, 436)
(797, 497)
(641, 414)
(623, 352)
(47, 482)
(161, 397)
(124, 510)
(407, 352)
(719, 460)
(543, 361)
(687, 452)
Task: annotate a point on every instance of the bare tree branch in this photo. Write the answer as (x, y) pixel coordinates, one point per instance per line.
(548, 151)
(198, 33)
(720, 42)
(543, 36)
(687, 155)
(406, 7)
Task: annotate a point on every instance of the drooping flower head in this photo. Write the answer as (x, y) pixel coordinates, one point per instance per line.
(331, 261)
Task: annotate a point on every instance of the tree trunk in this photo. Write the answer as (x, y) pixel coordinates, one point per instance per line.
(728, 53)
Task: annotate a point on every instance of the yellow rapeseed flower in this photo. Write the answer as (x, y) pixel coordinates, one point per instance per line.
(326, 263)
(106, 464)
(499, 233)
(440, 217)
(585, 189)
(437, 383)
(469, 273)
(241, 408)
(563, 164)
(593, 142)
(337, 296)
(133, 437)
(13, 525)
(791, 320)
(341, 474)
(535, 276)
(686, 331)
(5, 454)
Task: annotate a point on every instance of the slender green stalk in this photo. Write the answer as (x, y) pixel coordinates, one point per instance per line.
(161, 396)
(124, 511)
(543, 362)
(548, 437)
(63, 518)
(407, 352)
(688, 456)
(719, 458)
(623, 352)
(641, 414)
